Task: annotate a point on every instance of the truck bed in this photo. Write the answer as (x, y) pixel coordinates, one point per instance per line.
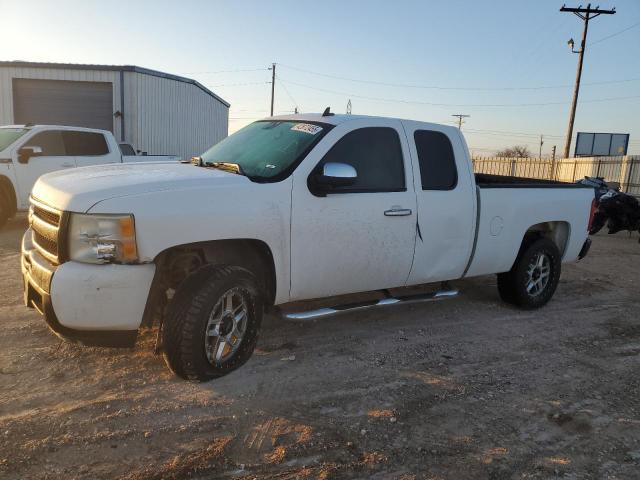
(509, 206)
(485, 180)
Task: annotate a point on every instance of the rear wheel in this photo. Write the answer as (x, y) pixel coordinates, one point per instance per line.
(213, 322)
(534, 277)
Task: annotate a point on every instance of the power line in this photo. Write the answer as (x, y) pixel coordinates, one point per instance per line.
(527, 136)
(532, 59)
(437, 87)
(246, 110)
(295, 104)
(235, 84)
(282, 112)
(512, 133)
(226, 71)
(614, 34)
(433, 104)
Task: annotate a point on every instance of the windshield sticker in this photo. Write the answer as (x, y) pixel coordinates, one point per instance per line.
(306, 128)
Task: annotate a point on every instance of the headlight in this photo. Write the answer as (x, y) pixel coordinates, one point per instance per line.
(102, 238)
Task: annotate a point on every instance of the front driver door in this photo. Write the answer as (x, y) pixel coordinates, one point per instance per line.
(52, 158)
(361, 237)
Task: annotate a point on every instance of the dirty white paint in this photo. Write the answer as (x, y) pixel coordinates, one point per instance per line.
(101, 297)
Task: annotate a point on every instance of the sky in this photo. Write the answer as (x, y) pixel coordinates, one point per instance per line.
(505, 63)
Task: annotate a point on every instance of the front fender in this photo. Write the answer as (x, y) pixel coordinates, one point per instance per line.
(257, 211)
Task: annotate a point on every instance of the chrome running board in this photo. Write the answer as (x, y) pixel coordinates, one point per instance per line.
(324, 312)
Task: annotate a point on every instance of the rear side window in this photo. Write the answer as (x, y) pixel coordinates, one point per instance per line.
(437, 162)
(376, 154)
(85, 144)
(127, 150)
(50, 142)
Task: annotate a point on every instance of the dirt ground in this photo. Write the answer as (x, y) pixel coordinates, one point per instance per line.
(455, 389)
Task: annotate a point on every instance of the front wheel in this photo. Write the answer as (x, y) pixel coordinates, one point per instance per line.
(4, 210)
(212, 323)
(534, 277)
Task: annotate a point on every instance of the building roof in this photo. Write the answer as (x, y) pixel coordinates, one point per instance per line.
(115, 68)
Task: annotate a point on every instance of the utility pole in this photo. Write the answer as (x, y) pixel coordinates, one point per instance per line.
(585, 14)
(541, 143)
(273, 84)
(460, 117)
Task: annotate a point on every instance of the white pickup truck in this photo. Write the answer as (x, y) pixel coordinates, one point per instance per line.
(28, 151)
(287, 209)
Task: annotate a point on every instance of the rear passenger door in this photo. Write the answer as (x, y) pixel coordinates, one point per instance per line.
(446, 202)
(88, 148)
(358, 237)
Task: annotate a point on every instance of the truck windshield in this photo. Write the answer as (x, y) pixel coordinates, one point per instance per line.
(10, 135)
(267, 150)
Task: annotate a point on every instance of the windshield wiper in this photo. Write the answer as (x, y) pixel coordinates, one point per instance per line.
(225, 166)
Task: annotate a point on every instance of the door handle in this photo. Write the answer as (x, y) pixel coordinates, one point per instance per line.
(67, 165)
(397, 212)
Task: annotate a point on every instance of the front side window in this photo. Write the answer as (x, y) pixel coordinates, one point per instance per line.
(84, 144)
(50, 142)
(10, 135)
(376, 154)
(437, 161)
(267, 150)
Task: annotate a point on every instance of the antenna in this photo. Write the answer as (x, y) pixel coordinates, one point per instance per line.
(327, 112)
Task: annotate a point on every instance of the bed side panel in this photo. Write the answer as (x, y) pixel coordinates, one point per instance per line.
(507, 213)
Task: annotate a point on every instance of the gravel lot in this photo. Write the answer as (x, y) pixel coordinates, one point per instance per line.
(461, 388)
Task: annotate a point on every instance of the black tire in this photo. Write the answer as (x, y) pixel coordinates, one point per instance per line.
(184, 336)
(515, 285)
(5, 208)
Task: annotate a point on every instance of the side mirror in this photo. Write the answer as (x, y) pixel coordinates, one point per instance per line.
(25, 153)
(335, 174)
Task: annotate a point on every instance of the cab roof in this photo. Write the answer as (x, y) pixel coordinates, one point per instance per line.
(30, 126)
(339, 118)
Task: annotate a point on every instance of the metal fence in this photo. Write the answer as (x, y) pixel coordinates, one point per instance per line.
(622, 170)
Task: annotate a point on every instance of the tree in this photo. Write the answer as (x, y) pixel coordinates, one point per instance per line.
(517, 151)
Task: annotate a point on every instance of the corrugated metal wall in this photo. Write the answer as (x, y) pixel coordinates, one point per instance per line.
(161, 115)
(8, 73)
(172, 117)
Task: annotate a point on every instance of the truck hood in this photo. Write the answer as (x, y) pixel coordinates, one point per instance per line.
(77, 190)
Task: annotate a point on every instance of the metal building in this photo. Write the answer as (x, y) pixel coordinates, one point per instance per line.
(156, 112)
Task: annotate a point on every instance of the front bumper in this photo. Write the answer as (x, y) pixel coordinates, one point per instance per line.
(94, 305)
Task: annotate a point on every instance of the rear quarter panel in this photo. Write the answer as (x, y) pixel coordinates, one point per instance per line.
(507, 213)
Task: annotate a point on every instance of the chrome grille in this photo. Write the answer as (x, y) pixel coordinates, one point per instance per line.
(48, 244)
(45, 224)
(48, 216)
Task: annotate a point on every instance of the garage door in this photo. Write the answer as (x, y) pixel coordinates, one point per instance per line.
(61, 102)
